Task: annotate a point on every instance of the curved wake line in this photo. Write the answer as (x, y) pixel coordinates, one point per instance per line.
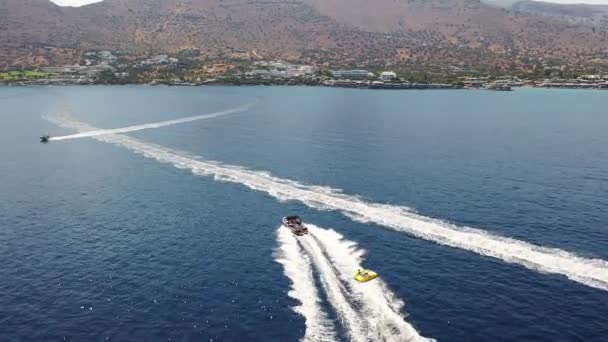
(99, 132)
(591, 272)
(297, 267)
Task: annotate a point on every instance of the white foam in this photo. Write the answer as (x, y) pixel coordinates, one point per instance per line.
(380, 307)
(99, 132)
(353, 322)
(298, 269)
(588, 271)
(369, 311)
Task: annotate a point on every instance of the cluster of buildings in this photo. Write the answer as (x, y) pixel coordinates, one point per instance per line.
(74, 74)
(158, 60)
(386, 80)
(352, 74)
(386, 76)
(105, 66)
(489, 82)
(583, 82)
(268, 70)
(94, 64)
(368, 84)
(99, 57)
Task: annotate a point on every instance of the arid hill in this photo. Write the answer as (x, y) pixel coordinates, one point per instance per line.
(590, 15)
(340, 32)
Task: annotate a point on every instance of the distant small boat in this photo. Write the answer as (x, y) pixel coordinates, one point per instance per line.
(45, 138)
(294, 223)
(364, 276)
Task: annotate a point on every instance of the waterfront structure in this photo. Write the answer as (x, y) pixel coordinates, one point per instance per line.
(475, 82)
(387, 85)
(573, 85)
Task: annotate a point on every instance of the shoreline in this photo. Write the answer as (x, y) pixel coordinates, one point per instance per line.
(419, 87)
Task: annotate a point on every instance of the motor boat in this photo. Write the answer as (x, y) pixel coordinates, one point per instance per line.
(364, 276)
(294, 223)
(45, 138)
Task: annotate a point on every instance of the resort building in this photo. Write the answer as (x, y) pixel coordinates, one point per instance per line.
(388, 76)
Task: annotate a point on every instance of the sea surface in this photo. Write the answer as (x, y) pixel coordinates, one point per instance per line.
(172, 233)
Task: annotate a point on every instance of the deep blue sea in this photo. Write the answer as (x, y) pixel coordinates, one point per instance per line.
(100, 243)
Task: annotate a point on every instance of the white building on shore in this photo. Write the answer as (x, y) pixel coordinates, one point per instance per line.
(388, 76)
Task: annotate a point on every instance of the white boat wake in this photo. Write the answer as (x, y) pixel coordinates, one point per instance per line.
(367, 312)
(588, 271)
(376, 302)
(298, 269)
(99, 132)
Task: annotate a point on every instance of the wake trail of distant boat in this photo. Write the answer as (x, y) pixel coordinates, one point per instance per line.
(134, 128)
(588, 271)
(297, 267)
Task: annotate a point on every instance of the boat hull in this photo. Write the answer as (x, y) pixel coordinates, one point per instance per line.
(296, 229)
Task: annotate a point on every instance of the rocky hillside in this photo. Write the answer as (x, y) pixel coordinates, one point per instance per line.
(578, 14)
(340, 32)
(589, 15)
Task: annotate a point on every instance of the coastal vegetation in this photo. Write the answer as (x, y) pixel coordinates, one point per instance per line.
(24, 75)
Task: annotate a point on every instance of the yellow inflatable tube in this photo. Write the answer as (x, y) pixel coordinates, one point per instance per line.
(363, 276)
